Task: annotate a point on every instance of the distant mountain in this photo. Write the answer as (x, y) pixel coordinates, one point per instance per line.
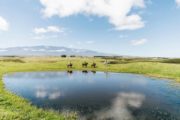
(47, 51)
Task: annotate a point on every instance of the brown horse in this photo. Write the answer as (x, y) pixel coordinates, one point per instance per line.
(69, 65)
(93, 65)
(85, 64)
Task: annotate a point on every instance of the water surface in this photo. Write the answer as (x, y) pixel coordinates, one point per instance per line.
(99, 95)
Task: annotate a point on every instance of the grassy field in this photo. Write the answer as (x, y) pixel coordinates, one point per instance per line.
(13, 107)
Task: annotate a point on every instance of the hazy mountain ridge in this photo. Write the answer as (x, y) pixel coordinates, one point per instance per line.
(46, 51)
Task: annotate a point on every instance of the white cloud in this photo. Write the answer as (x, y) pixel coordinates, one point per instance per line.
(118, 12)
(178, 2)
(49, 29)
(4, 25)
(42, 32)
(138, 42)
(42, 36)
(90, 42)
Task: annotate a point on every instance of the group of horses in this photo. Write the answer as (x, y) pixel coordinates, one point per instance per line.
(84, 65)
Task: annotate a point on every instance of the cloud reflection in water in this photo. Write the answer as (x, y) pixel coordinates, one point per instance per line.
(119, 109)
(42, 92)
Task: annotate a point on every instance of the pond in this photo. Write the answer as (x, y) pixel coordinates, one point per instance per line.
(99, 95)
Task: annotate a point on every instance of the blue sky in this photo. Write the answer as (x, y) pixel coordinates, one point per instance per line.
(132, 27)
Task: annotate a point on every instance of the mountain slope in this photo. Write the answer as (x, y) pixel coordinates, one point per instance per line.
(46, 51)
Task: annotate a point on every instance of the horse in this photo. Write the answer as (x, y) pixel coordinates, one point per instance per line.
(69, 65)
(93, 65)
(85, 64)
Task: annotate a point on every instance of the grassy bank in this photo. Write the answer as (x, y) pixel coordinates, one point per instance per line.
(13, 107)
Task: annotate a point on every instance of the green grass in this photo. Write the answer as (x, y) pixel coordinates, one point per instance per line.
(175, 61)
(14, 107)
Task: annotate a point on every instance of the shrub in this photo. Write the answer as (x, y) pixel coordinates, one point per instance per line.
(63, 56)
(12, 60)
(175, 61)
(72, 56)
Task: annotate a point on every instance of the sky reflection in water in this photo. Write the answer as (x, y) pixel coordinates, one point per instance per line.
(99, 95)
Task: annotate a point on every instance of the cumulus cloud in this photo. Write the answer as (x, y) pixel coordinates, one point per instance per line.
(138, 42)
(178, 2)
(118, 12)
(4, 25)
(49, 32)
(49, 29)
